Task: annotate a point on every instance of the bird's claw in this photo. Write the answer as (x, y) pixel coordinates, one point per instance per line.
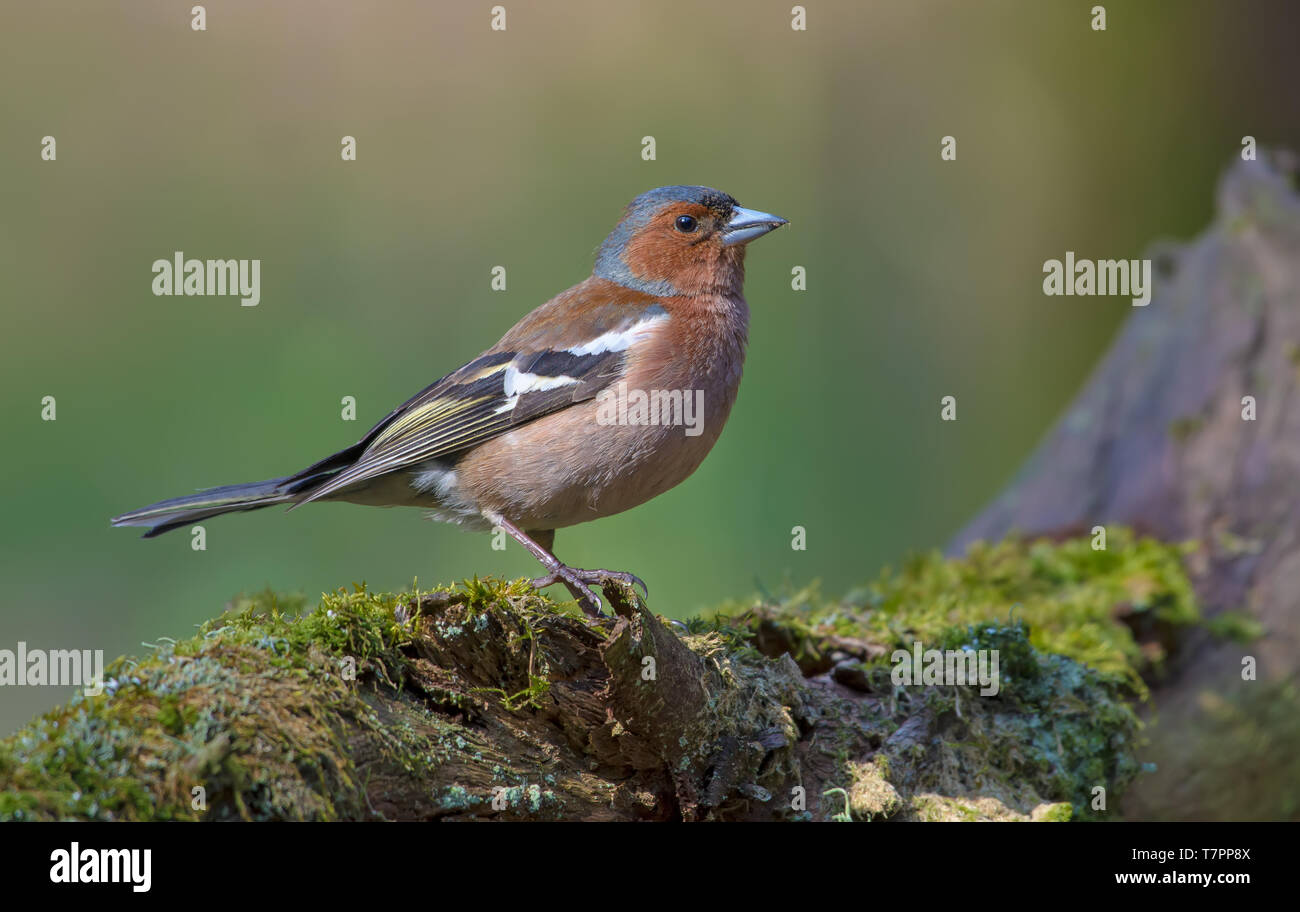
(580, 583)
(600, 576)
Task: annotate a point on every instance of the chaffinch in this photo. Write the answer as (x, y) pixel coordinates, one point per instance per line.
(582, 410)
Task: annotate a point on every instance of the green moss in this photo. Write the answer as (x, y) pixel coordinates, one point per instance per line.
(538, 685)
(359, 625)
(1054, 731)
(185, 718)
(529, 697)
(1076, 601)
(942, 808)
(1076, 629)
(842, 816)
(1054, 813)
(1239, 628)
(1061, 615)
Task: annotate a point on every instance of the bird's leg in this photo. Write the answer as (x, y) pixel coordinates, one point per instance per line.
(547, 540)
(578, 582)
(556, 572)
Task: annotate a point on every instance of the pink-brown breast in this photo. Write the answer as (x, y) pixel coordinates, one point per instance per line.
(569, 467)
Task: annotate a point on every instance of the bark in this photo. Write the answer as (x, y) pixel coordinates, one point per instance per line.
(638, 721)
(1161, 439)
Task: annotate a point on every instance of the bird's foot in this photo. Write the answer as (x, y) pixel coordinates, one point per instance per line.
(580, 583)
(603, 576)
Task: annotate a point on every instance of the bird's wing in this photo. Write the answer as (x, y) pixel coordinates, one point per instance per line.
(540, 367)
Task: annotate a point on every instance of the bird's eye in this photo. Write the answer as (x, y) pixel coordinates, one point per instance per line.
(685, 224)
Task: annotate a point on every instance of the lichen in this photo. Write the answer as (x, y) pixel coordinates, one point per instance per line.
(1077, 631)
(871, 795)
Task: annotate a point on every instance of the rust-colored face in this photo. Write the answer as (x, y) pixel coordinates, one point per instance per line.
(682, 241)
(682, 244)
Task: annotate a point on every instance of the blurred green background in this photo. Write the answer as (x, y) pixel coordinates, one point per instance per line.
(519, 148)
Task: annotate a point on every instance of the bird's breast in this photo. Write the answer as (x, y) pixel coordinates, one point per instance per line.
(644, 433)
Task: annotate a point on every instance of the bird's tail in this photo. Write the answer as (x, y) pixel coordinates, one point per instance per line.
(181, 511)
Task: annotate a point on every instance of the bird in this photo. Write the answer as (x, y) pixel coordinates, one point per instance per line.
(550, 427)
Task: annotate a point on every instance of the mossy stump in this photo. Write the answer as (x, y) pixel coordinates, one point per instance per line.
(489, 701)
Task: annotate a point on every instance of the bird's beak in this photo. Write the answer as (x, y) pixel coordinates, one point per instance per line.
(747, 224)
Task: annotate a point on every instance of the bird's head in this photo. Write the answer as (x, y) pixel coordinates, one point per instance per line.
(682, 241)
